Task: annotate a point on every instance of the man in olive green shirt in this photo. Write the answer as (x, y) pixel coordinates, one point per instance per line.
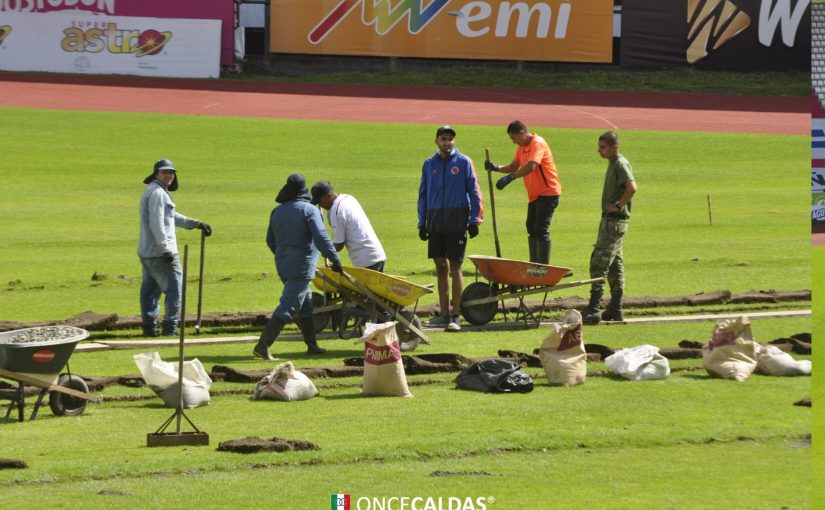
(606, 259)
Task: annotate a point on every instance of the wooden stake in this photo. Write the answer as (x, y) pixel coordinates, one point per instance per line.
(710, 212)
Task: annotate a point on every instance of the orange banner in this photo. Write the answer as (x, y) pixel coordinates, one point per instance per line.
(549, 30)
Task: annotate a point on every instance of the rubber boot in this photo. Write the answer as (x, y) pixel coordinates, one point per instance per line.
(533, 244)
(268, 335)
(591, 314)
(542, 251)
(614, 308)
(150, 328)
(308, 331)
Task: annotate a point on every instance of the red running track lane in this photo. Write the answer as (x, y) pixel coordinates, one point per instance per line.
(423, 105)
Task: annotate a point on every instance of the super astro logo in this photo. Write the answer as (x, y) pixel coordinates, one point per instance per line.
(108, 37)
(5, 30)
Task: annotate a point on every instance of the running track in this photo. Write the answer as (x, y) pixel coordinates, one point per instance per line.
(423, 105)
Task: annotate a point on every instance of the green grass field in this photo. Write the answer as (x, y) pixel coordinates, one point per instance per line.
(689, 441)
(68, 209)
(68, 204)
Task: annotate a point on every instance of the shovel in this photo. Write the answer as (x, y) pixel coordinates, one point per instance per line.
(492, 204)
(200, 285)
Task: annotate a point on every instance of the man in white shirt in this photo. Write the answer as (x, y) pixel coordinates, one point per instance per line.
(350, 227)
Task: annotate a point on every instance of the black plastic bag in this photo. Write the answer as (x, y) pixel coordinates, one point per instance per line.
(495, 375)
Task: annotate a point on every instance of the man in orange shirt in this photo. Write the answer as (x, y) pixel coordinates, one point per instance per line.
(534, 162)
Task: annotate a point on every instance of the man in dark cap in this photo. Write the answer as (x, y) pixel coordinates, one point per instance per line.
(449, 208)
(158, 249)
(295, 235)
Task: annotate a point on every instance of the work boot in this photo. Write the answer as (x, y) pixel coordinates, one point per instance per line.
(169, 327)
(614, 308)
(591, 314)
(150, 327)
(542, 251)
(308, 331)
(268, 335)
(532, 242)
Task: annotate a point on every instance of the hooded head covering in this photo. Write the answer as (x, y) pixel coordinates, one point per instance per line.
(163, 164)
(294, 189)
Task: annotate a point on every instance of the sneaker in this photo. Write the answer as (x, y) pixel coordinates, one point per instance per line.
(438, 321)
(455, 324)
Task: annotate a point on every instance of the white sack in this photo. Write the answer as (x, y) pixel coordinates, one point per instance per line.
(162, 377)
(641, 363)
(383, 368)
(562, 353)
(731, 353)
(286, 384)
(771, 360)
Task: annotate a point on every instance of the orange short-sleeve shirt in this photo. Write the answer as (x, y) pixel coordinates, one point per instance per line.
(544, 180)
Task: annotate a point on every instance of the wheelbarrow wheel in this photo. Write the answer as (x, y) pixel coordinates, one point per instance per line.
(352, 323)
(408, 340)
(319, 320)
(67, 405)
(478, 314)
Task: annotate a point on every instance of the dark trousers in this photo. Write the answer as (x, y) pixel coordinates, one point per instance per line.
(539, 213)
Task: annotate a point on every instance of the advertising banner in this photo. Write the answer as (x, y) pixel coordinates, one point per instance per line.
(179, 9)
(717, 34)
(83, 43)
(548, 30)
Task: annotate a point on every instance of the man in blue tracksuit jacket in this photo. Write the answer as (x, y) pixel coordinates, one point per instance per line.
(449, 208)
(296, 232)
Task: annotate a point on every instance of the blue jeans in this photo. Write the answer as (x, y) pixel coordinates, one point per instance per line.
(296, 301)
(159, 277)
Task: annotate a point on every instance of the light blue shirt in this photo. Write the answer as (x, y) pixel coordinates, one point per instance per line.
(158, 220)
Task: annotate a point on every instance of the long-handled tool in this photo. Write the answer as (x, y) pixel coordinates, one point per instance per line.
(200, 285)
(493, 204)
(160, 437)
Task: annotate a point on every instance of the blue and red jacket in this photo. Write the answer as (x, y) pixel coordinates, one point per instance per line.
(449, 198)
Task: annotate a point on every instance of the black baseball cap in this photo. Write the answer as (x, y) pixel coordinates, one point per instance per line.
(446, 128)
(319, 190)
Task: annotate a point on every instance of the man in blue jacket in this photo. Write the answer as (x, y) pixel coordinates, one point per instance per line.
(449, 208)
(158, 249)
(296, 232)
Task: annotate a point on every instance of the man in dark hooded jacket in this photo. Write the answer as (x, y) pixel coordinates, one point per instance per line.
(295, 235)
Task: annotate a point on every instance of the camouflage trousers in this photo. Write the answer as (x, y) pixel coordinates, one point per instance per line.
(606, 259)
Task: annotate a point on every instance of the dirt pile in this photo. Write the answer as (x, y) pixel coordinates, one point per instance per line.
(256, 444)
(12, 464)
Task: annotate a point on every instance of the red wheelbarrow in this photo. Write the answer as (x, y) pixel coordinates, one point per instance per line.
(37, 356)
(511, 279)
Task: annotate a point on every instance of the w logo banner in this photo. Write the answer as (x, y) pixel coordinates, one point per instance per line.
(712, 24)
(339, 502)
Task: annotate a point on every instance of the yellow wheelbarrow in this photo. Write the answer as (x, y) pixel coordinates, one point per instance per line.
(360, 295)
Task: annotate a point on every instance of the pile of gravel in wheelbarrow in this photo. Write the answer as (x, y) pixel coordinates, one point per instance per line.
(43, 334)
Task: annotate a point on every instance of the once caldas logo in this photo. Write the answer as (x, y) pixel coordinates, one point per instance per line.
(339, 502)
(5, 30)
(94, 37)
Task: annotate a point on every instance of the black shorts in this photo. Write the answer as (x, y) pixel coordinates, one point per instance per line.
(451, 246)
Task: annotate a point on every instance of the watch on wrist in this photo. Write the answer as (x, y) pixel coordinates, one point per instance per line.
(616, 204)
